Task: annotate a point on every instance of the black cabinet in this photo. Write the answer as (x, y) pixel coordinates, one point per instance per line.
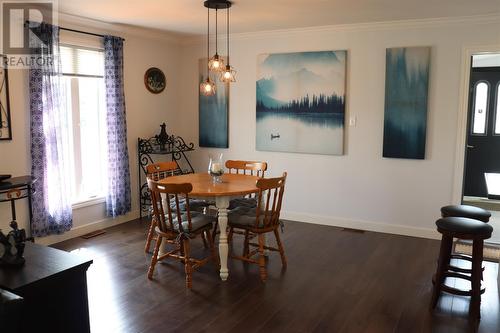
(53, 284)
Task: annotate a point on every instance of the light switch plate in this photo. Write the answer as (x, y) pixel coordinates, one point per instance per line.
(352, 121)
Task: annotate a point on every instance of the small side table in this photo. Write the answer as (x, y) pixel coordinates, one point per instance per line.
(18, 188)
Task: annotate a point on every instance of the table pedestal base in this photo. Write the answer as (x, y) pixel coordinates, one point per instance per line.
(222, 204)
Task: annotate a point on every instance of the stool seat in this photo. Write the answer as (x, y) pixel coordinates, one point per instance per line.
(471, 212)
(464, 226)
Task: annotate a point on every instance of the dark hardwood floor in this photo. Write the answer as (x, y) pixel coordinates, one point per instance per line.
(336, 281)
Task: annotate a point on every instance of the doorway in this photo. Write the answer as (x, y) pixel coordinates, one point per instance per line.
(481, 182)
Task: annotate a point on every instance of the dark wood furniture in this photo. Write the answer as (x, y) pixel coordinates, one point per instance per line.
(53, 284)
(18, 188)
(261, 220)
(178, 227)
(463, 228)
(170, 146)
(470, 212)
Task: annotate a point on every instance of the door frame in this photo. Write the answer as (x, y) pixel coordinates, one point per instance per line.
(458, 176)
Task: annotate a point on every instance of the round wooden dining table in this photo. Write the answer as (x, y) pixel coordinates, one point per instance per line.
(232, 185)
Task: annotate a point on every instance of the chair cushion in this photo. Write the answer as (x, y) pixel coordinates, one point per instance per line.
(471, 212)
(198, 221)
(242, 202)
(463, 225)
(194, 204)
(244, 217)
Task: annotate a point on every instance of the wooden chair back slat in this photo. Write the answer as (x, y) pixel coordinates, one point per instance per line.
(170, 191)
(161, 170)
(247, 167)
(270, 197)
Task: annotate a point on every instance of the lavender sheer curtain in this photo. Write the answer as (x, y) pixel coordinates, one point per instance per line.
(118, 200)
(50, 136)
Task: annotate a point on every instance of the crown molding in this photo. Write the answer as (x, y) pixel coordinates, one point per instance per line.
(117, 29)
(353, 27)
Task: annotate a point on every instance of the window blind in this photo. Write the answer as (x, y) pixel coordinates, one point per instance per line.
(78, 61)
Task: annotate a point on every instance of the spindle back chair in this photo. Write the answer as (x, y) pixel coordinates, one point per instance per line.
(177, 227)
(264, 219)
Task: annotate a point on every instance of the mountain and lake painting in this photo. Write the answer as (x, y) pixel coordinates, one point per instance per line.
(406, 90)
(301, 102)
(213, 113)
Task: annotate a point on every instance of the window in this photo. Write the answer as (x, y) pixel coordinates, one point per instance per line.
(497, 112)
(83, 71)
(480, 108)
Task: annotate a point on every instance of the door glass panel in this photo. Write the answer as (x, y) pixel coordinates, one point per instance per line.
(480, 108)
(497, 112)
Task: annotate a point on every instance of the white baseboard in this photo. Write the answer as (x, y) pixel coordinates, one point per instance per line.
(89, 227)
(396, 229)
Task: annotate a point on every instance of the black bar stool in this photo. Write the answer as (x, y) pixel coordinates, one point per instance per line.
(463, 228)
(470, 212)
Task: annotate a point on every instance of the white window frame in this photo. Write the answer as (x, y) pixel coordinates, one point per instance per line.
(76, 144)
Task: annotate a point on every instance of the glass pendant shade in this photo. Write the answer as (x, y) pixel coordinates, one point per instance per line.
(228, 75)
(207, 87)
(216, 63)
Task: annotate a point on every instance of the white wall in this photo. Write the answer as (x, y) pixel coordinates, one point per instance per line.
(145, 111)
(360, 189)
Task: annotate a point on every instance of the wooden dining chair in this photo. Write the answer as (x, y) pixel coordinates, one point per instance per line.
(252, 168)
(159, 171)
(177, 227)
(265, 218)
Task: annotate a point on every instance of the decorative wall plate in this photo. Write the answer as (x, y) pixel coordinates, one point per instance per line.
(155, 80)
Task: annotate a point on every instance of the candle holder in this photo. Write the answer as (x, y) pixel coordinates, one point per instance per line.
(216, 169)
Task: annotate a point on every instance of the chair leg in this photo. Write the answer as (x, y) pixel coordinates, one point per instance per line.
(443, 262)
(230, 236)
(204, 238)
(215, 257)
(262, 260)
(187, 264)
(150, 235)
(477, 261)
(246, 246)
(214, 232)
(280, 247)
(154, 258)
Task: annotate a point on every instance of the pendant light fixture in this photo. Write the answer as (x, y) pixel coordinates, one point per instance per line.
(228, 74)
(216, 63)
(207, 87)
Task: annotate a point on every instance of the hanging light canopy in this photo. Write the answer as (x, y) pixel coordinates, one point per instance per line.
(207, 86)
(216, 63)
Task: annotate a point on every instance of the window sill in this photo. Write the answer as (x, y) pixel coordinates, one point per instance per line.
(87, 203)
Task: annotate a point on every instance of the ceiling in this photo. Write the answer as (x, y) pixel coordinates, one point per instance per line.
(189, 16)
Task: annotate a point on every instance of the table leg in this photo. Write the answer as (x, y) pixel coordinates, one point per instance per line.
(222, 204)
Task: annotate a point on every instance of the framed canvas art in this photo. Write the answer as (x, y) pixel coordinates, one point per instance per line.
(301, 102)
(213, 113)
(406, 91)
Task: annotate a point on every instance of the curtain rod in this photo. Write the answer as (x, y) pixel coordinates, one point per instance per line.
(79, 31)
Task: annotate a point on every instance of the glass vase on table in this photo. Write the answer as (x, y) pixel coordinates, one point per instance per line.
(216, 169)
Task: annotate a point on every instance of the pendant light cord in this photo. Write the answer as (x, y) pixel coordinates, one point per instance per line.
(216, 32)
(227, 21)
(208, 40)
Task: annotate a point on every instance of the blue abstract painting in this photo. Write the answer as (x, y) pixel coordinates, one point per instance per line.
(406, 91)
(213, 112)
(301, 102)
